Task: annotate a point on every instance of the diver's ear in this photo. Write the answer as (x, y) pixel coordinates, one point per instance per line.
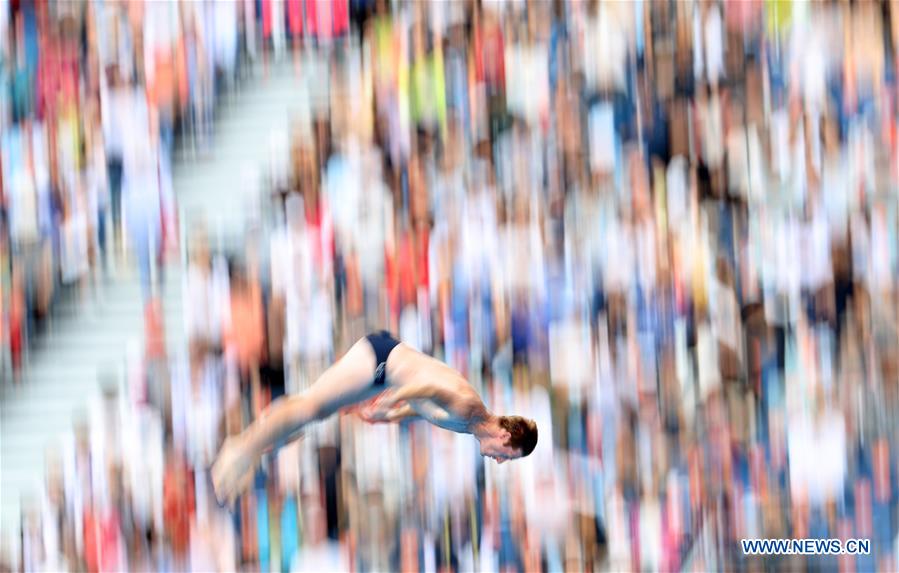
(505, 436)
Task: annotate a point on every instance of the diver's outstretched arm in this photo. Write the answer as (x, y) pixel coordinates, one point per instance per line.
(345, 383)
(279, 424)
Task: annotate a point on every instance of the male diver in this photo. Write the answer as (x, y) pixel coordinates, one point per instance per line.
(408, 385)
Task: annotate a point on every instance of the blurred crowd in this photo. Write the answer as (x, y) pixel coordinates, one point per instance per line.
(91, 96)
(667, 231)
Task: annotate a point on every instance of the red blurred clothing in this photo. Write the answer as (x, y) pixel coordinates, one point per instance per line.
(327, 19)
(102, 540)
(266, 19)
(295, 18)
(57, 77)
(391, 281)
(178, 502)
(489, 55)
(16, 322)
(164, 87)
(418, 242)
(671, 542)
(90, 540)
(155, 330)
(407, 264)
(407, 268)
(320, 229)
(110, 541)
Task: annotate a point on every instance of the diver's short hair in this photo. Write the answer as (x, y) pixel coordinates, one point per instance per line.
(522, 433)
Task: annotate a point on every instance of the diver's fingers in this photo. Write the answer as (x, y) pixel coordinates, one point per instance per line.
(367, 414)
(242, 486)
(216, 481)
(223, 492)
(220, 483)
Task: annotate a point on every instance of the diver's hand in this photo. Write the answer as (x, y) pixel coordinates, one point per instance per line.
(380, 415)
(232, 472)
(375, 413)
(385, 408)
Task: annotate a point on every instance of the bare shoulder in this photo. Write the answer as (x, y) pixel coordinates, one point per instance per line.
(469, 405)
(406, 365)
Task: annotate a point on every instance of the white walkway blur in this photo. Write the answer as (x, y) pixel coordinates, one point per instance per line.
(90, 336)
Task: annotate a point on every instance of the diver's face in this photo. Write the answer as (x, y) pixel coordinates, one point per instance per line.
(497, 449)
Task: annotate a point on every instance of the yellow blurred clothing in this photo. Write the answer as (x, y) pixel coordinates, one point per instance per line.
(386, 48)
(700, 268)
(427, 91)
(68, 142)
(779, 15)
(387, 60)
(403, 82)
